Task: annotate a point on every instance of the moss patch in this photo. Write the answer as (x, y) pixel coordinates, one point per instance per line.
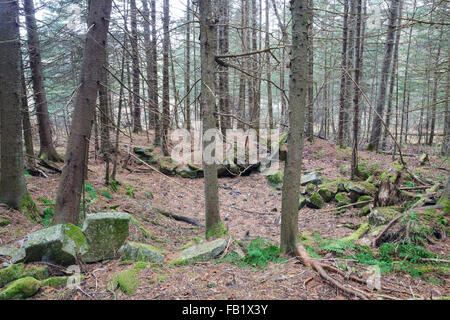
(20, 289)
(216, 231)
(11, 273)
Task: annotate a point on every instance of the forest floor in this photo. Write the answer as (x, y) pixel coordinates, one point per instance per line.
(249, 209)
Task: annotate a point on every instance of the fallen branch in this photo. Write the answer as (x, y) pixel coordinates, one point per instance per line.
(175, 216)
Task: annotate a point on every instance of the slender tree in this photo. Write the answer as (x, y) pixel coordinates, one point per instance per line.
(47, 149)
(137, 126)
(71, 181)
(165, 97)
(388, 50)
(297, 105)
(214, 226)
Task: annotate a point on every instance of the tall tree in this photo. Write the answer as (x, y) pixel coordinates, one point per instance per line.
(47, 149)
(165, 97)
(297, 104)
(343, 103)
(223, 45)
(72, 177)
(187, 76)
(26, 122)
(310, 94)
(154, 99)
(214, 226)
(137, 126)
(12, 181)
(388, 50)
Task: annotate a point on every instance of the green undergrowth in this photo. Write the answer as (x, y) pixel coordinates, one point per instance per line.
(390, 257)
(259, 253)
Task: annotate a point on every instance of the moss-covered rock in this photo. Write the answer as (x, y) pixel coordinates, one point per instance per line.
(11, 273)
(364, 211)
(167, 166)
(301, 202)
(60, 282)
(364, 200)
(125, 280)
(141, 252)
(424, 159)
(58, 244)
(186, 172)
(8, 251)
(20, 289)
(326, 194)
(382, 215)
(310, 189)
(105, 234)
(315, 201)
(201, 252)
(342, 199)
(39, 273)
(216, 231)
(275, 180)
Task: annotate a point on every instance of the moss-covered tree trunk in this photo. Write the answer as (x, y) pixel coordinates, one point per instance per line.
(72, 177)
(12, 186)
(297, 105)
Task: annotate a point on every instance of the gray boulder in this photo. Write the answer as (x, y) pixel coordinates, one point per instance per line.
(8, 251)
(310, 177)
(201, 252)
(105, 234)
(57, 245)
(141, 252)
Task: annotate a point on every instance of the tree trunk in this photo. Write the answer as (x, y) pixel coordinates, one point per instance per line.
(47, 149)
(389, 45)
(187, 79)
(214, 226)
(154, 100)
(137, 126)
(224, 95)
(166, 98)
(342, 95)
(12, 181)
(297, 104)
(27, 129)
(354, 162)
(71, 180)
(310, 95)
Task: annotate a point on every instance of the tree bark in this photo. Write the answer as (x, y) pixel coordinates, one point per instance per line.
(297, 105)
(214, 226)
(12, 181)
(342, 95)
(137, 126)
(47, 149)
(166, 98)
(71, 181)
(389, 45)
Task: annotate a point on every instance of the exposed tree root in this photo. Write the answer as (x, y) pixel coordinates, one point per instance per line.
(306, 259)
(175, 216)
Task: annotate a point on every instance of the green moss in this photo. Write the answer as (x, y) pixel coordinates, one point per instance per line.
(55, 282)
(11, 273)
(342, 199)
(364, 211)
(363, 199)
(358, 233)
(20, 289)
(301, 202)
(29, 208)
(310, 189)
(326, 194)
(75, 233)
(4, 222)
(139, 266)
(315, 201)
(39, 273)
(216, 231)
(127, 281)
(275, 179)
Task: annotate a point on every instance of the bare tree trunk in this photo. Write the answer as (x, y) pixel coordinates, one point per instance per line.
(214, 226)
(376, 126)
(310, 95)
(166, 98)
(224, 95)
(71, 180)
(12, 181)
(269, 71)
(187, 79)
(27, 129)
(105, 148)
(343, 106)
(297, 104)
(137, 126)
(154, 101)
(47, 149)
(445, 150)
(354, 162)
